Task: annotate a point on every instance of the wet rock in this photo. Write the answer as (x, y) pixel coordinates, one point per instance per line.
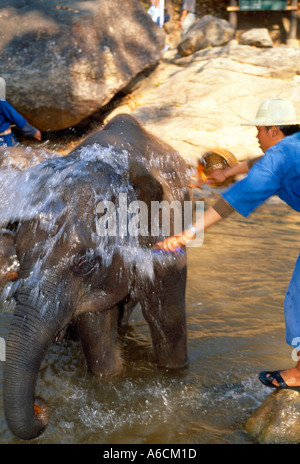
(207, 32)
(62, 63)
(258, 37)
(277, 419)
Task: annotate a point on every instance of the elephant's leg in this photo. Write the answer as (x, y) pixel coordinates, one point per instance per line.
(125, 312)
(98, 333)
(164, 310)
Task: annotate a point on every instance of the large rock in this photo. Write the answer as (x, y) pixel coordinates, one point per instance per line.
(277, 419)
(62, 63)
(258, 37)
(198, 102)
(207, 32)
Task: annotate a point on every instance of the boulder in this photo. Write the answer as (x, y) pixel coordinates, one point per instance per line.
(198, 102)
(277, 419)
(258, 37)
(63, 63)
(207, 32)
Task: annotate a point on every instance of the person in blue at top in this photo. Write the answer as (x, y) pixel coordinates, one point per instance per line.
(276, 172)
(9, 116)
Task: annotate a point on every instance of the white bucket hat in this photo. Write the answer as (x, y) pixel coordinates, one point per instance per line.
(275, 112)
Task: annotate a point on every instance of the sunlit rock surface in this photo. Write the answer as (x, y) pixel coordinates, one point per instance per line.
(199, 102)
(207, 32)
(277, 419)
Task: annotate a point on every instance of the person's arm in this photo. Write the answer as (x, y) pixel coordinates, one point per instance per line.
(244, 196)
(184, 12)
(16, 118)
(182, 16)
(218, 176)
(29, 130)
(211, 216)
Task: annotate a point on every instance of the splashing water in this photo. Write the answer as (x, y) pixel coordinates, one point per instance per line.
(117, 161)
(36, 193)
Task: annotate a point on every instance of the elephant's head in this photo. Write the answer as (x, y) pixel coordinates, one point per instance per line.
(73, 258)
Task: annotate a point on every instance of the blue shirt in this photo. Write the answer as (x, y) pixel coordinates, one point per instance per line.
(8, 116)
(276, 173)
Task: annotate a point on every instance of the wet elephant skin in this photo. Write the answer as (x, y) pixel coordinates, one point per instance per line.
(70, 274)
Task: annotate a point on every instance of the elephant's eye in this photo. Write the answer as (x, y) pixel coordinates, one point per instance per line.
(84, 265)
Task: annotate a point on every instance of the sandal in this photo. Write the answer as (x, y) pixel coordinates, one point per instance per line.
(267, 377)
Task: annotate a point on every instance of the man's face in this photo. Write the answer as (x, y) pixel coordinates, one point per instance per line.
(264, 138)
(267, 137)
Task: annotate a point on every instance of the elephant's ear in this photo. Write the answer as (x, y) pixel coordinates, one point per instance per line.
(147, 190)
(146, 187)
(9, 264)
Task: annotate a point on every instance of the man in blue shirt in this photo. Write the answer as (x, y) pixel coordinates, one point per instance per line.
(277, 172)
(8, 116)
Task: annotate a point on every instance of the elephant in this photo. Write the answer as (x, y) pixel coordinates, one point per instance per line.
(81, 265)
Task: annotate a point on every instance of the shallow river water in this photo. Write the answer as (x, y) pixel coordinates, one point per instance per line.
(235, 291)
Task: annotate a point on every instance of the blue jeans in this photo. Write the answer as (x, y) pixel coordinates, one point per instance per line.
(292, 308)
(8, 140)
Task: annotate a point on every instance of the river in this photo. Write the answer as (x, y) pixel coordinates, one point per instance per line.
(235, 291)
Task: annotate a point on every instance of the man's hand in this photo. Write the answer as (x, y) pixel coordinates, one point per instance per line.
(173, 243)
(170, 244)
(217, 176)
(38, 135)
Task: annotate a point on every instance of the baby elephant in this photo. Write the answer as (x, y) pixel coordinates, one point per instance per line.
(84, 242)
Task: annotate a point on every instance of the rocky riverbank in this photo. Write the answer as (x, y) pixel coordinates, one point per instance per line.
(200, 101)
(194, 103)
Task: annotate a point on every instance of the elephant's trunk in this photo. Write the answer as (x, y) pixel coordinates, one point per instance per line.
(32, 332)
